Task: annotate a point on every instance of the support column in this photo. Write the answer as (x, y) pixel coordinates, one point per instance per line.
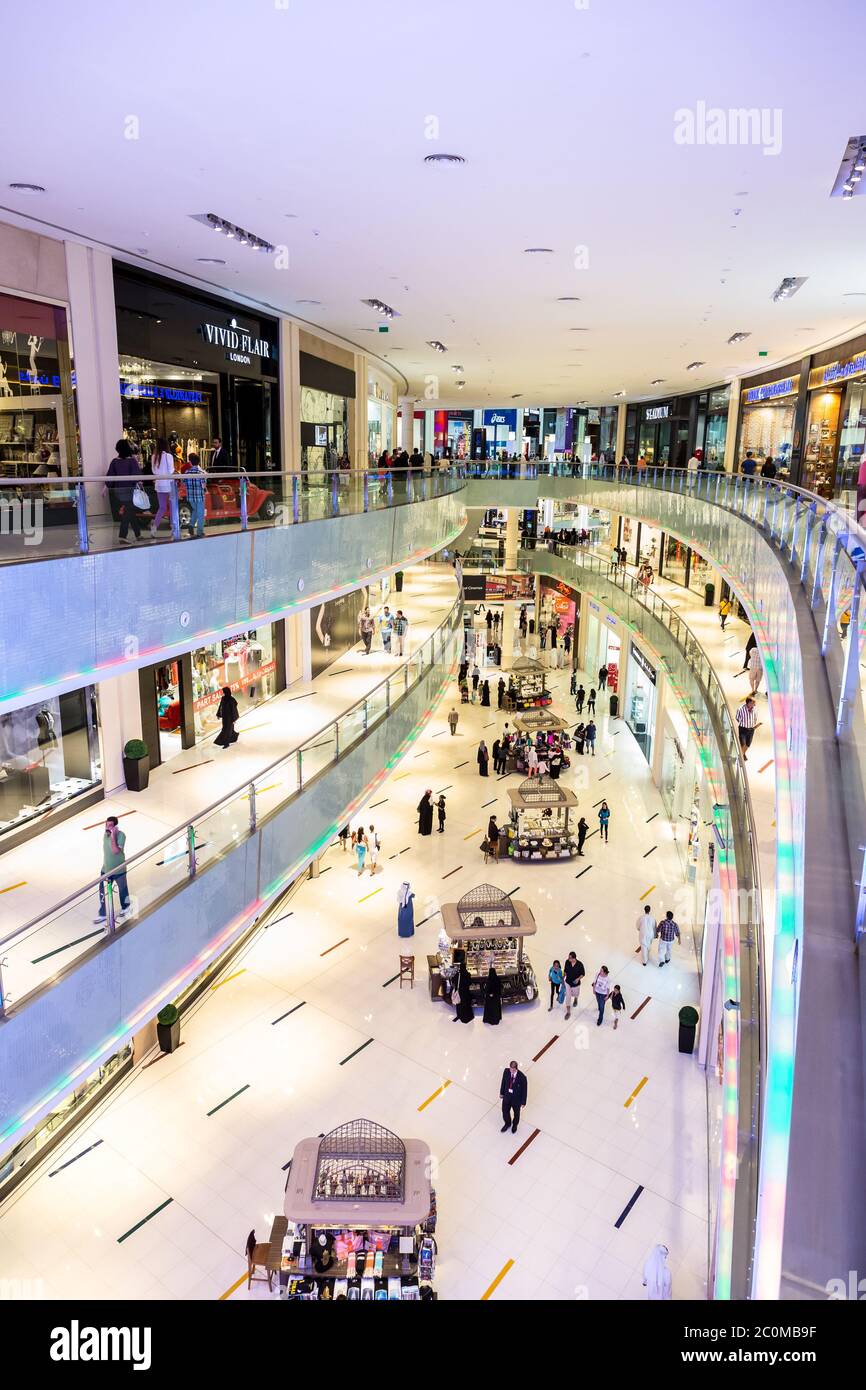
(94, 337)
(512, 537)
(120, 720)
(733, 426)
(290, 395)
(621, 413)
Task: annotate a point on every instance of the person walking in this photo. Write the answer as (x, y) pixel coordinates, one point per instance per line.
(114, 865)
(425, 814)
(162, 467)
(756, 669)
(227, 712)
(401, 627)
(365, 630)
(582, 832)
(573, 974)
(359, 845)
(124, 467)
(603, 821)
(590, 733)
(646, 930)
(666, 931)
(453, 717)
(601, 990)
(513, 1093)
(617, 1003)
(590, 704)
(557, 985)
(580, 699)
(194, 482)
(746, 725)
(485, 694)
(500, 692)
(460, 995)
(482, 758)
(602, 678)
(440, 811)
(492, 998)
(374, 845)
(405, 911)
(725, 608)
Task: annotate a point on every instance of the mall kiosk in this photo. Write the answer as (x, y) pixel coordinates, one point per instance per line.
(527, 684)
(363, 1213)
(488, 927)
(539, 828)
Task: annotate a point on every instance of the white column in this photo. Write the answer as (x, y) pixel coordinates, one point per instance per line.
(290, 395)
(512, 537)
(94, 340)
(120, 720)
(731, 459)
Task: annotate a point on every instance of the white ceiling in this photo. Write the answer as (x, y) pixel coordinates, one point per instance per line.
(306, 123)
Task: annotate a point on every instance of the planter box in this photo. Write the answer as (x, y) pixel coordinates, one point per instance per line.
(136, 773)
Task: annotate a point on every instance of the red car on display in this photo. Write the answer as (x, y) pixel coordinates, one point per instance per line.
(222, 502)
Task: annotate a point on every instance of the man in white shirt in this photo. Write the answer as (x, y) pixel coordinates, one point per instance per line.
(646, 930)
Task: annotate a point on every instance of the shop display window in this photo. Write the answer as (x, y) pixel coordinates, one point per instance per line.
(245, 663)
(49, 754)
(822, 433)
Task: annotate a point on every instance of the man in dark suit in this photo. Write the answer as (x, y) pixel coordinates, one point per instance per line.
(513, 1094)
(220, 461)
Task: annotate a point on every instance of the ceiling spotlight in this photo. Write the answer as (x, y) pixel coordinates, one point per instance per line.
(657, 381)
(434, 343)
(739, 337)
(693, 366)
(444, 159)
(28, 188)
(789, 286)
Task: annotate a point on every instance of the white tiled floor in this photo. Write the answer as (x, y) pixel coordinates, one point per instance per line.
(553, 1211)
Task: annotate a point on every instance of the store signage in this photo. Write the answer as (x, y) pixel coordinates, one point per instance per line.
(755, 395)
(134, 391)
(657, 412)
(837, 371)
(501, 419)
(640, 659)
(240, 345)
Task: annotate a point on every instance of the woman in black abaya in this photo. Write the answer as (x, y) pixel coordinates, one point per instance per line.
(492, 997)
(425, 814)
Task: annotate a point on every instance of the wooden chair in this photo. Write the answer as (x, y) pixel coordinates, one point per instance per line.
(407, 970)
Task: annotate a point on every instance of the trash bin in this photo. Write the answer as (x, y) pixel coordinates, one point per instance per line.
(614, 706)
(688, 1028)
(709, 595)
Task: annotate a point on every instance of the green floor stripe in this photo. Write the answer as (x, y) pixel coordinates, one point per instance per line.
(228, 1098)
(145, 1219)
(100, 931)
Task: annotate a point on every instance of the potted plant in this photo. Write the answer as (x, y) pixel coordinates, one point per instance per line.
(168, 1028)
(688, 1028)
(136, 765)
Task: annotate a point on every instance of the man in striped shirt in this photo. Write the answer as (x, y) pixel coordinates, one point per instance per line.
(666, 931)
(747, 724)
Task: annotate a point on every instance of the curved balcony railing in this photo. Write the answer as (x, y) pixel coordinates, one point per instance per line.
(42, 518)
(33, 954)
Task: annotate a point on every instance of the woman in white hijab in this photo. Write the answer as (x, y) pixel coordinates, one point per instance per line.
(656, 1275)
(405, 911)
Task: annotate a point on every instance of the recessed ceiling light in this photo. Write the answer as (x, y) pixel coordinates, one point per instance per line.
(739, 337)
(28, 188)
(538, 250)
(209, 260)
(444, 159)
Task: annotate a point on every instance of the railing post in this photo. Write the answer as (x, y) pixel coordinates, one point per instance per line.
(174, 509)
(244, 514)
(81, 509)
(190, 851)
(296, 500)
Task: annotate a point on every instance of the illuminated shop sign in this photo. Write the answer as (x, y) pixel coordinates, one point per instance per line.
(837, 371)
(755, 395)
(178, 396)
(640, 659)
(657, 412)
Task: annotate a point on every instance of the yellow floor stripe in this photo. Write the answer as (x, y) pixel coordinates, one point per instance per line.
(236, 1285)
(647, 893)
(497, 1281)
(22, 884)
(227, 979)
(638, 1087)
(471, 833)
(425, 1103)
(369, 895)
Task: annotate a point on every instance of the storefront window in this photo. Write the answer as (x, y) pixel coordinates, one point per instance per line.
(37, 413)
(675, 558)
(49, 754)
(640, 700)
(822, 433)
(245, 663)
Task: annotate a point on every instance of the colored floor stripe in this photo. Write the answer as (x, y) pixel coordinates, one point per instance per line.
(651, 889)
(70, 1161)
(627, 1208)
(100, 931)
(425, 1103)
(641, 1006)
(378, 803)
(234, 1095)
(472, 833)
(574, 918)
(99, 823)
(639, 1087)
(333, 948)
(288, 1011)
(13, 886)
(143, 1222)
(523, 1147)
(369, 895)
(427, 919)
(192, 767)
(228, 978)
(391, 981)
(452, 871)
(546, 1046)
(357, 1050)
(650, 851)
(652, 817)
(766, 765)
(497, 1281)
(583, 871)
(229, 1291)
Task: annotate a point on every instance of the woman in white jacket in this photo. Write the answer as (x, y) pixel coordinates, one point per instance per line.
(162, 467)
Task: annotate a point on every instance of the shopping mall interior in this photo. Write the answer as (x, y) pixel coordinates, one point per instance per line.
(391, 337)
